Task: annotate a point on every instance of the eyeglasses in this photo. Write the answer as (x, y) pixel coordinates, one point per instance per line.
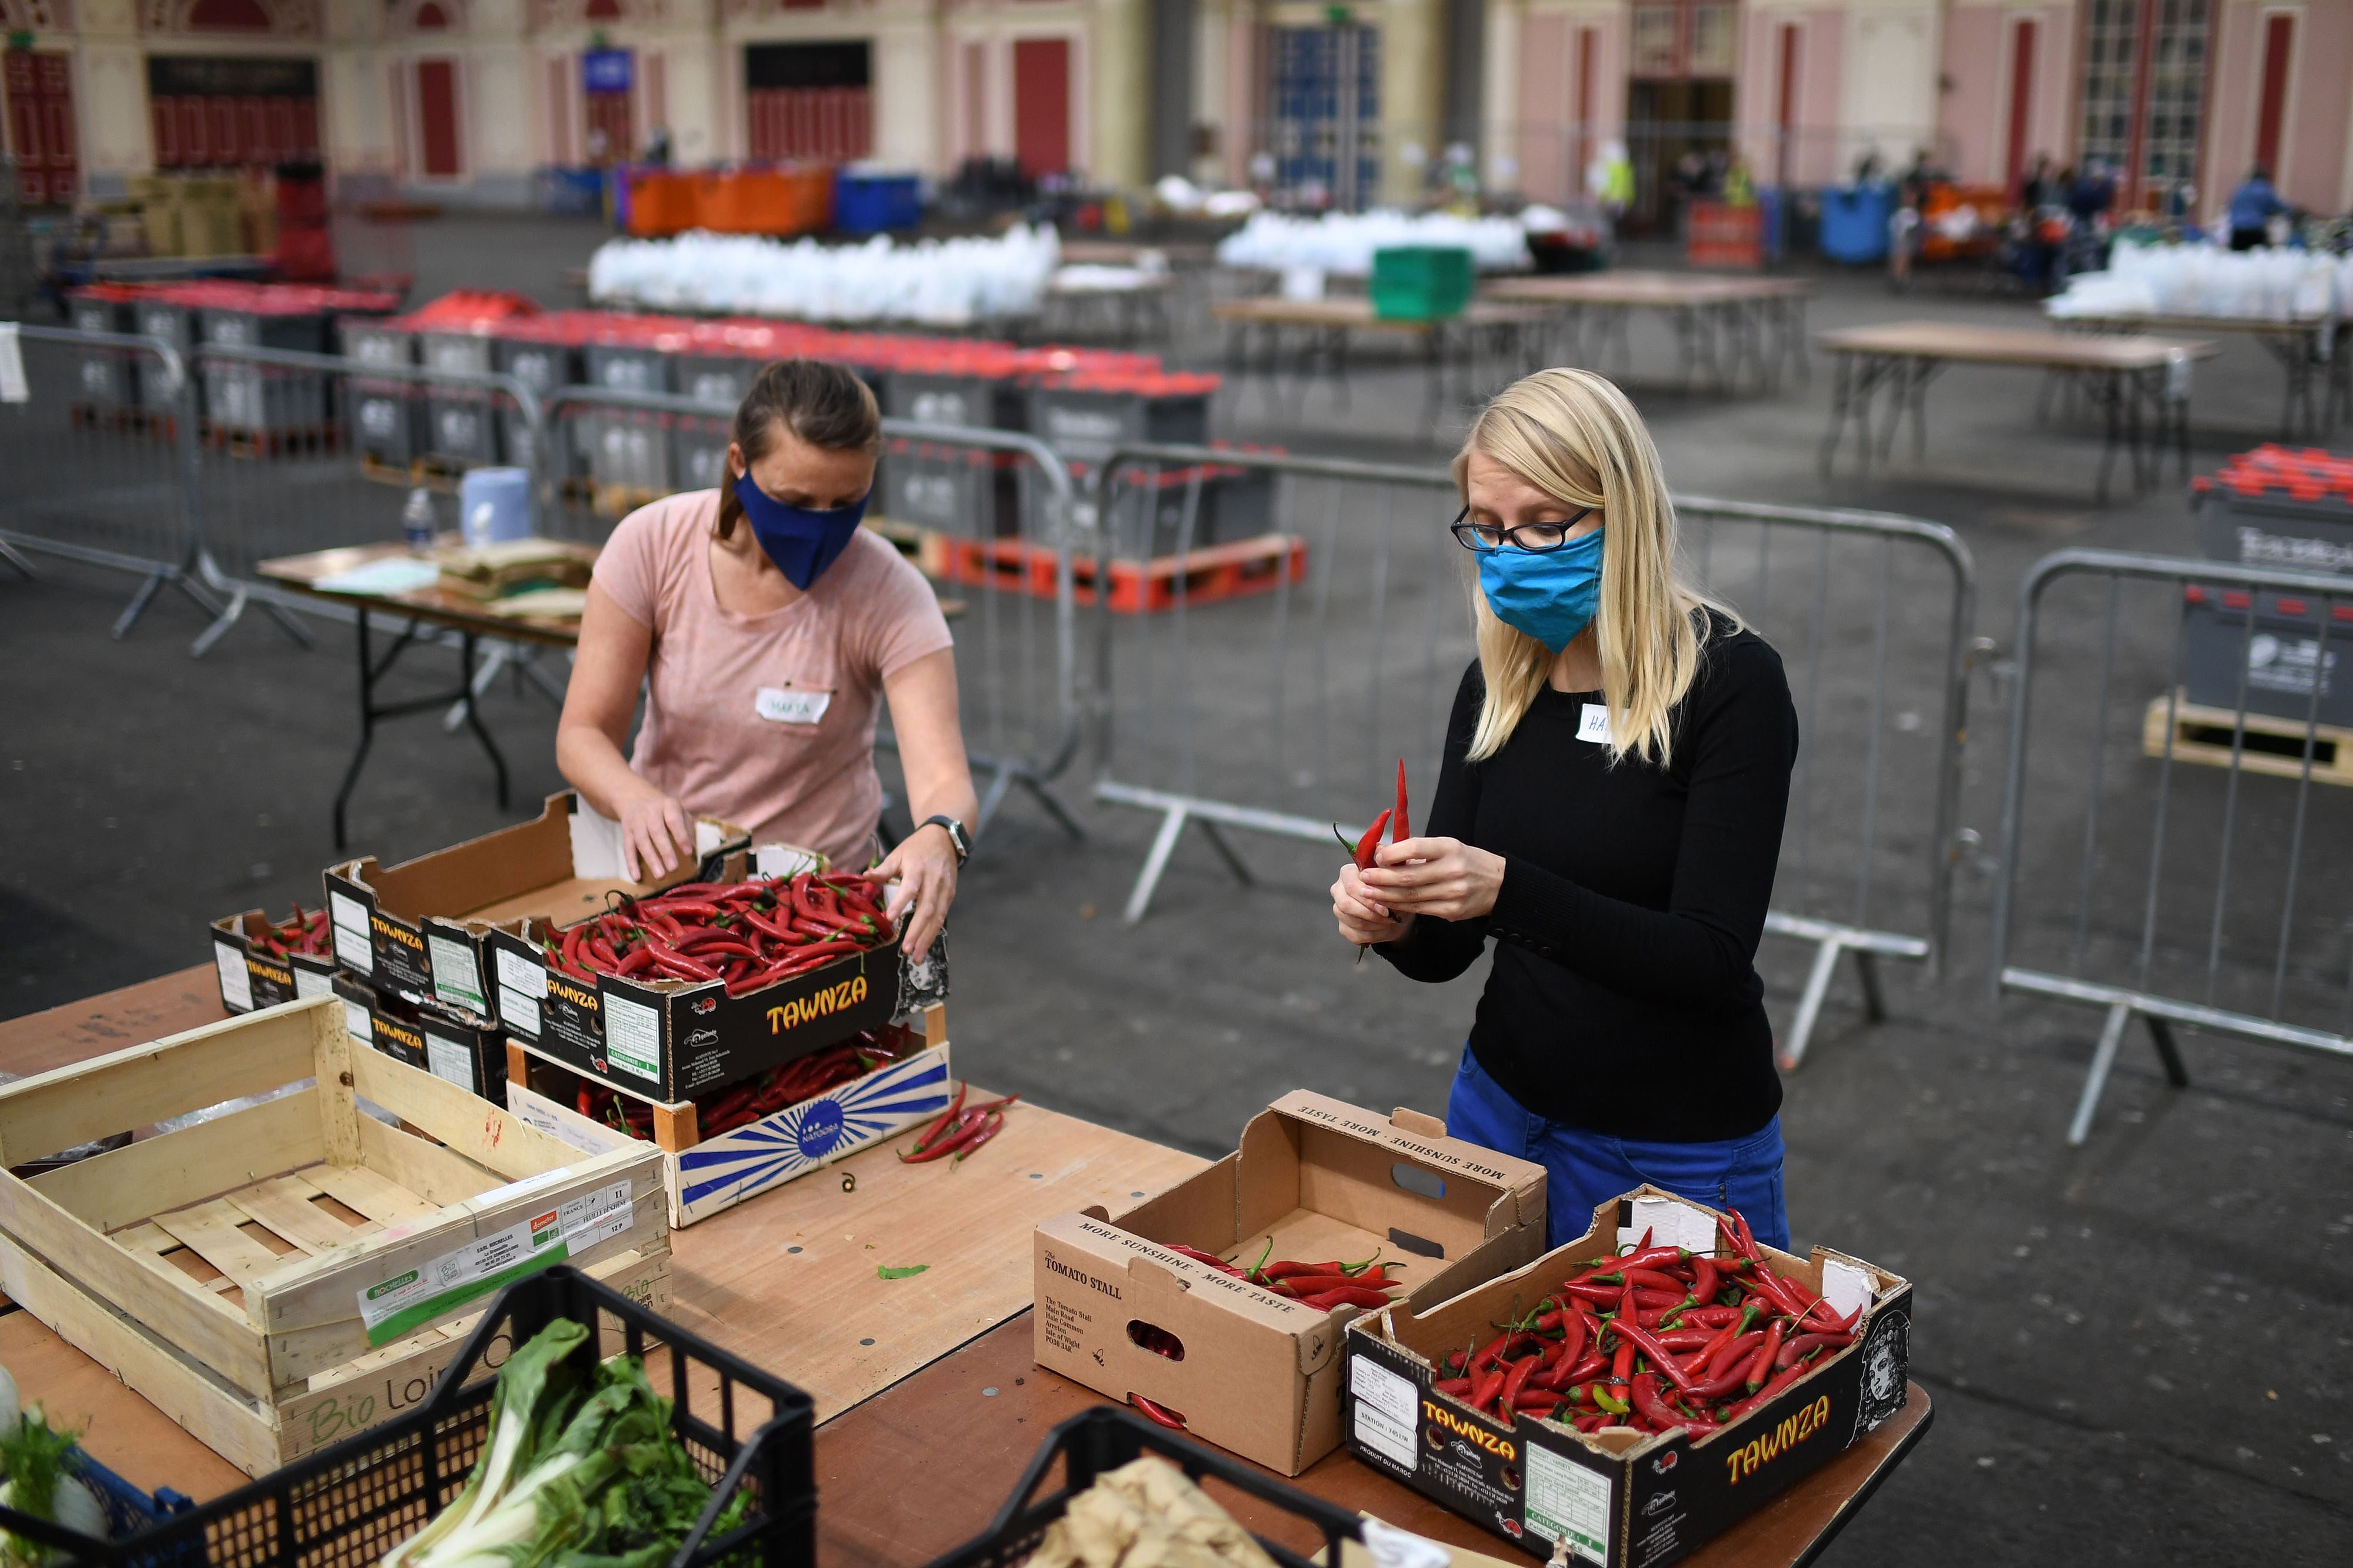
(1537, 538)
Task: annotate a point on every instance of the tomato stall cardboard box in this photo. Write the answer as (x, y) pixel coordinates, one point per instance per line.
(1619, 1497)
(422, 927)
(456, 1048)
(670, 1040)
(1255, 1371)
(706, 1176)
(251, 978)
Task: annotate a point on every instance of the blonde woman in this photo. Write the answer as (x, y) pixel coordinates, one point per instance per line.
(1609, 810)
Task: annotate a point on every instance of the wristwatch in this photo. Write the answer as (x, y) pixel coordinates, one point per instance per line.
(956, 834)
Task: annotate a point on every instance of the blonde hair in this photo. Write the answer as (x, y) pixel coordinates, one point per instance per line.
(1573, 436)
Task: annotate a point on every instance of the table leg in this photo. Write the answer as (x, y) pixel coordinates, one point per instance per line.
(1434, 355)
(474, 718)
(1337, 363)
(1793, 313)
(1841, 388)
(2107, 387)
(371, 671)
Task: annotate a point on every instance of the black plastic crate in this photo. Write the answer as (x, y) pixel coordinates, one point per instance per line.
(346, 1506)
(2276, 661)
(988, 402)
(1107, 1436)
(966, 492)
(1087, 422)
(107, 377)
(1148, 511)
(543, 365)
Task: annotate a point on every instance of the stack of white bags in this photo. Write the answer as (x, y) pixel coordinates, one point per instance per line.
(2272, 284)
(1343, 243)
(938, 283)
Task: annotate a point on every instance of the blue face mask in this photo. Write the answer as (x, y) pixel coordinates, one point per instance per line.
(1551, 595)
(801, 541)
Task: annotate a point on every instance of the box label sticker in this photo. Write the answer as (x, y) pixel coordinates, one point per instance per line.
(1386, 1409)
(532, 1113)
(358, 1025)
(354, 948)
(449, 1060)
(518, 973)
(633, 1036)
(1567, 1502)
(237, 985)
(309, 982)
(456, 977)
(519, 1013)
(401, 1305)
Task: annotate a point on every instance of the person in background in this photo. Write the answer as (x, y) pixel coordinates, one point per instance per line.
(1609, 813)
(765, 628)
(2253, 207)
(2037, 190)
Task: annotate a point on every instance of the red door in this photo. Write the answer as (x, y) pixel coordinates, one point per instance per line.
(437, 117)
(39, 92)
(1041, 105)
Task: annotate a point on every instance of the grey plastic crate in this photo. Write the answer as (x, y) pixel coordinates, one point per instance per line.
(104, 379)
(699, 452)
(983, 401)
(630, 452)
(2273, 530)
(462, 424)
(1148, 521)
(960, 492)
(263, 399)
(386, 421)
(1087, 424)
(543, 367)
(175, 324)
(2280, 659)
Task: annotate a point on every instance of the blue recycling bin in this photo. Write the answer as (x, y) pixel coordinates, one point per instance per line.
(1855, 222)
(869, 200)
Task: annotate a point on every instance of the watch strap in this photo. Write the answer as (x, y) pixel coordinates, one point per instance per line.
(957, 836)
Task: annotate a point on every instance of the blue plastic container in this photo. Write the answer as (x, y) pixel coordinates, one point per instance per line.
(868, 201)
(1855, 222)
(129, 1513)
(494, 505)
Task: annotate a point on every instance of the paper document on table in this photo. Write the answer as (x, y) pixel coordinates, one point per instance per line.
(393, 575)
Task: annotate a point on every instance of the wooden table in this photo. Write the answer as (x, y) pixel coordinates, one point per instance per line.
(926, 1382)
(421, 611)
(983, 1411)
(1750, 319)
(2127, 377)
(1325, 328)
(2307, 351)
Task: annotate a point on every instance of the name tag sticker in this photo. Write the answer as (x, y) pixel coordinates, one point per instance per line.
(1594, 725)
(779, 705)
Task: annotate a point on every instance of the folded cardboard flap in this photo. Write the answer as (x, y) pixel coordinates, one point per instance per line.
(597, 843)
(1499, 1192)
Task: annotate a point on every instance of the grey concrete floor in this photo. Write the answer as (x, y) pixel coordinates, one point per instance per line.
(2137, 1349)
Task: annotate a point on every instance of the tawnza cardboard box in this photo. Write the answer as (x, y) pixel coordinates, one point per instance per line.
(1619, 1497)
(422, 927)
(1258, 1372)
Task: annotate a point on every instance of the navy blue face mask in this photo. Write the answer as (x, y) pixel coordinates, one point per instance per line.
(801, 541)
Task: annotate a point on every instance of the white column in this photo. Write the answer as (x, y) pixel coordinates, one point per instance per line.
(908, 130)
(1501, 110)
(1119, 81)
(1413, 88)
(1889, 79)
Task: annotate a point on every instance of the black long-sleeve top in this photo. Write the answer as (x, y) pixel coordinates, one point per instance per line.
(1624, 997)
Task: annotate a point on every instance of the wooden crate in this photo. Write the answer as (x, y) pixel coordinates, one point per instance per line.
(220, 1269)
(2269, 745)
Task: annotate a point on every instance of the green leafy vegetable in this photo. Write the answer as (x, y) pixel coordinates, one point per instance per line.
(582, 1472)
(907, 1273)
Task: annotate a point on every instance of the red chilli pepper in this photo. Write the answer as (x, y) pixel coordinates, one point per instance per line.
(1399, 830)
(1159, 1413)
(1760, 1366)
(1363, 847)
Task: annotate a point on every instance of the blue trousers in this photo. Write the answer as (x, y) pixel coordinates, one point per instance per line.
(1589, 1168)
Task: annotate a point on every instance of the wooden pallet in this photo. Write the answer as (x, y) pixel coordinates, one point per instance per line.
(251, 442)
(129, 421)
(1205, 576)
(926, 547)
(2266, 745)
(433, 473)
(217, 1269)
(617, 501)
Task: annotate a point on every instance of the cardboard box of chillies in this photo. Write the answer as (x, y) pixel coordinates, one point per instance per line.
(264, 961)
(739, 1141)
(1739, 1370)
(671, 996)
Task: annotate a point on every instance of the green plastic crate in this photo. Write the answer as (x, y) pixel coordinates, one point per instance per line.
(1420, 282)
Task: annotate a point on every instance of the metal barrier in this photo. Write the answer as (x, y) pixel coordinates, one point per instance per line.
(2219, 843)
(100, 459)
(990, 513)
(1344, 652)
(306, 451)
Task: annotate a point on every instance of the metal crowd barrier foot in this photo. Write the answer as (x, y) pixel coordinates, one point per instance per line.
(9, 553)
(1177, 811)
(1868, 947)
(1004, 772)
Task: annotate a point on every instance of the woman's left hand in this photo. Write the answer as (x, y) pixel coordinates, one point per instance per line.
(1443, 877)
(924, 867)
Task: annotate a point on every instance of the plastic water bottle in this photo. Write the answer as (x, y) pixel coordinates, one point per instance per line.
(417, 521)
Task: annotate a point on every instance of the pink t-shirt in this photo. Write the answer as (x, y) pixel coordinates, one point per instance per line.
(767, 721)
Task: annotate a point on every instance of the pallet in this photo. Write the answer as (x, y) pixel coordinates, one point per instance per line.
(1205, 576)
(218, 1269)
(131, 421)
(708, 1175)
(432, 473)
(256, 443)
(2266, 744)
(616, 501)
(926, 547)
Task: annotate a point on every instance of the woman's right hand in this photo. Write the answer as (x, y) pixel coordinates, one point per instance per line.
(656, 837)
(1363, 920)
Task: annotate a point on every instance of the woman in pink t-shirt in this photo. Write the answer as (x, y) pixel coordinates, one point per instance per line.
(764, 624)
